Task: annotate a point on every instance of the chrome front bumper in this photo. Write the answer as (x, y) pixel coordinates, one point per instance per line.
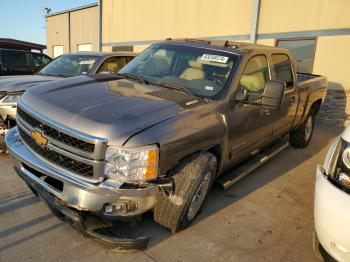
(76, 193)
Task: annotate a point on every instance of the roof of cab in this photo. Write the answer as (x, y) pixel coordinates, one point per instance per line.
(101, 54)
(230, 46)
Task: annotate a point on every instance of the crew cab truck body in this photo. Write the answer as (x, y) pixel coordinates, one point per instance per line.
(155, 136)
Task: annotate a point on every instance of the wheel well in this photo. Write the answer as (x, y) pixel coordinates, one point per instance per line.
(316, 106)
(216, 151)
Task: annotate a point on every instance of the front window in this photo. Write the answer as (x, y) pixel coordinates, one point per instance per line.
(40, 59)
(199, 71)
(255, 75)
(69, 65)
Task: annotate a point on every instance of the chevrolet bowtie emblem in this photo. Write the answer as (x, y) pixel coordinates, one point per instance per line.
(38, 138)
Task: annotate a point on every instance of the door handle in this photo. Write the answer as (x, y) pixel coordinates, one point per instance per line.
(292, 100)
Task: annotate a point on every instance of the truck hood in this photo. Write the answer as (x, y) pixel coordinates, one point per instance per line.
(114, 110)
(22, 83)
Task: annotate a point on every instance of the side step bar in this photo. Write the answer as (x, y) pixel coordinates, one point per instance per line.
(241, 171)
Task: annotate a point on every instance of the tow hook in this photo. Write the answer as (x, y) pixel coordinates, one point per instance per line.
(167, 187)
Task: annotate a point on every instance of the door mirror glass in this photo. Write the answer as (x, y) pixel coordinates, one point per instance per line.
(273, 95)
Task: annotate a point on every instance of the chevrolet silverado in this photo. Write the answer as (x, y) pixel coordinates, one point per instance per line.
(155, 136)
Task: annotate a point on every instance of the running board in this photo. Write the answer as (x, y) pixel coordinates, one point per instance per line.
(259, 159)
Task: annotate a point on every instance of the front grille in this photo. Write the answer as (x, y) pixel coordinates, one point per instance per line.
(56, 158)
(55, 134)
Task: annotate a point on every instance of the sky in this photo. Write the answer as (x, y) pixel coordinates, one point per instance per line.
(25, 19)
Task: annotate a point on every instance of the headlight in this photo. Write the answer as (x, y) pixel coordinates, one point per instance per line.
(10, 99)
(340, 165)
(132, 164)
(346, 157)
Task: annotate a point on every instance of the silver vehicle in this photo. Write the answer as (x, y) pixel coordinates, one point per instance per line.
(68, 65)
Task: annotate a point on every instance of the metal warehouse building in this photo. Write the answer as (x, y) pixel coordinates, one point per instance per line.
(316, 31)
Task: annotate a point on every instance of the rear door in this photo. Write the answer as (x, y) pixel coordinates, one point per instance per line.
(283, 70)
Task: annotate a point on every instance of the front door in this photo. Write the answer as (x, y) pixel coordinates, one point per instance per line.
(250, 125)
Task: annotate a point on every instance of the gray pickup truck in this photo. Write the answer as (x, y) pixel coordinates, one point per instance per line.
(155, 136)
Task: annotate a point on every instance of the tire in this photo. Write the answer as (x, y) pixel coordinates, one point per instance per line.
(193, 175)
(301, 137)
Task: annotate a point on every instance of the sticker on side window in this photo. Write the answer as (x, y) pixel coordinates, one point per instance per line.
(210, 88)
(214, 58)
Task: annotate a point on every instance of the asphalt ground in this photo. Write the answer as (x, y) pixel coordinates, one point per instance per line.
(267, 216)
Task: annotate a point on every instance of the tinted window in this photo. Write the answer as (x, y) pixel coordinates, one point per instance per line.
(255, 75)
(303, 53)
(15, 58)
(283, 69)
(113, 64)
(40, 59)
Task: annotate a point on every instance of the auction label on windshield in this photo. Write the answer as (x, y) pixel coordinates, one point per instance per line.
(214, 58)
(86, 62)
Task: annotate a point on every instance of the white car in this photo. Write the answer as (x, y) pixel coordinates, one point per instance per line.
(332, 200)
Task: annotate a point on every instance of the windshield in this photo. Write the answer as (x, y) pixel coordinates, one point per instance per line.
(199, 71)
(69, 65)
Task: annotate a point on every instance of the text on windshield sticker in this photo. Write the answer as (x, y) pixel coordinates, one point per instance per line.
(86, 62)
(214, 58)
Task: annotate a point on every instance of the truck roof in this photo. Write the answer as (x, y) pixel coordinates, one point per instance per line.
(102, 54)
(228, 46)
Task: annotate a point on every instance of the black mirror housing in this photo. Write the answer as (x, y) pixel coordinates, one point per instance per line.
(273, 95)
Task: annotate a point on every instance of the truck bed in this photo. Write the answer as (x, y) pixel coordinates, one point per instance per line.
(302, 77)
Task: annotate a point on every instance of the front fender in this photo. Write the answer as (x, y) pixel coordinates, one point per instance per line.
(183, 135)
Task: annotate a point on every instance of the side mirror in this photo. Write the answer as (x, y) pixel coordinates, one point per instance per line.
(273, 95)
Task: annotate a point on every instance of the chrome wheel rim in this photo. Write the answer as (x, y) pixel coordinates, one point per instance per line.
(198, 197)
(308, 128)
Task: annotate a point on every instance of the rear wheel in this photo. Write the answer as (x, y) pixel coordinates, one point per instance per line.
(301, 137)
(192, 180)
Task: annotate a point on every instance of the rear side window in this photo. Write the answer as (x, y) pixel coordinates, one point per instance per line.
(283, 69)
(15, 58)
(255, 75)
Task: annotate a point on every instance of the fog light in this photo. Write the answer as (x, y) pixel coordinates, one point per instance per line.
(122, 207)
(344, 179)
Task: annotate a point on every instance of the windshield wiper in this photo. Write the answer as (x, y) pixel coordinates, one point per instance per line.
(135, 77)
(175, 87)
(58, 75)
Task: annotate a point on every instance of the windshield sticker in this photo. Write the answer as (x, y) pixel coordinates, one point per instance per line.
(210, 88)
(86, 62)
(214, 58)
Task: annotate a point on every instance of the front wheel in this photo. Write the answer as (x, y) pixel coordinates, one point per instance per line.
(192, 180)
(301, 137)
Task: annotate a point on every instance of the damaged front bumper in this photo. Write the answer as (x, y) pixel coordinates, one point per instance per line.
(68, 197)
(120, 241)
(8, 111)
(77, 193)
